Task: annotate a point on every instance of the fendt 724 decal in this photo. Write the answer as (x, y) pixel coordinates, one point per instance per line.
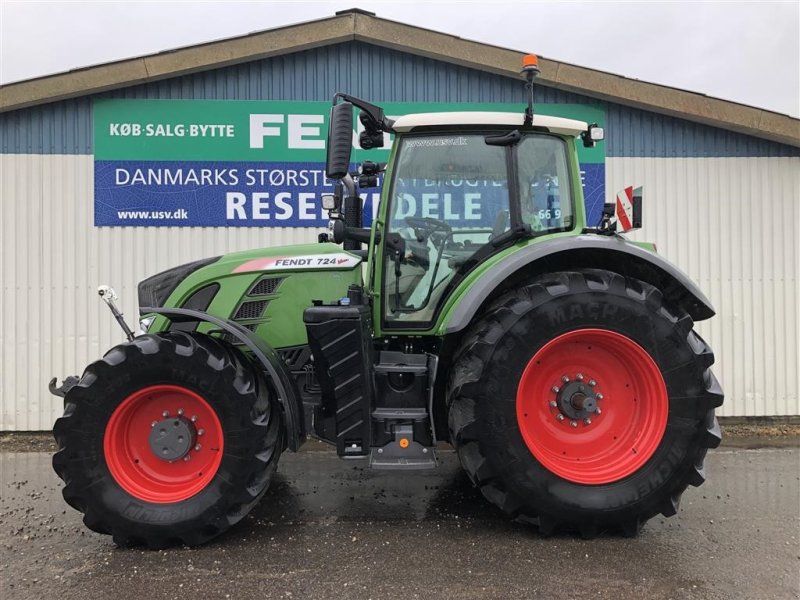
(309, 261)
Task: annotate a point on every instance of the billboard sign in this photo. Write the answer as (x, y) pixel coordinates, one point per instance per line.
(220, 163)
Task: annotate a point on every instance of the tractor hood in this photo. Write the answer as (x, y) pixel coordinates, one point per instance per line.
(267, 287)
(156, 289)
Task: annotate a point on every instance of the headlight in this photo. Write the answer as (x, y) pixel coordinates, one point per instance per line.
(597, 133)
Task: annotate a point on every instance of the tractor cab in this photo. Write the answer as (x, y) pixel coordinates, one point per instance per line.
(462, 187)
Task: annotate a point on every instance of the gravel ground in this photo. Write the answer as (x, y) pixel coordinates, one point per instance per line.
(332, 529)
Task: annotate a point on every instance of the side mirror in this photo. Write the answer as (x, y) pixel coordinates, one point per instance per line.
(340, 140)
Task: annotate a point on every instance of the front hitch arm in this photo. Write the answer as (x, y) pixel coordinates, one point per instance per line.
(69, 382)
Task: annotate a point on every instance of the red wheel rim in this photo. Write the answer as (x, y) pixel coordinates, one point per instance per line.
(628, 388)
(133, 463)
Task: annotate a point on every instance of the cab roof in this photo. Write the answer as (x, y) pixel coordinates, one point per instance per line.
(557, 125)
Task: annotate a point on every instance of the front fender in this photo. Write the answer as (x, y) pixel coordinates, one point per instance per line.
(583, 251)
(288, 396)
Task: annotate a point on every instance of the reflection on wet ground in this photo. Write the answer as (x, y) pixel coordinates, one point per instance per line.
(333, 529)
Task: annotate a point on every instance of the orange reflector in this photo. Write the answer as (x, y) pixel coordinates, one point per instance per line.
(530, 60)
(404, 442)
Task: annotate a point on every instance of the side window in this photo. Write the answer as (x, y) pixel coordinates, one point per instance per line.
(544, 183)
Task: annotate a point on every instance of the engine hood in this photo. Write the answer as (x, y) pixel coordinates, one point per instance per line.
(264, 290)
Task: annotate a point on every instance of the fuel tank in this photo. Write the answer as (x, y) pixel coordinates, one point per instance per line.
(264, 290)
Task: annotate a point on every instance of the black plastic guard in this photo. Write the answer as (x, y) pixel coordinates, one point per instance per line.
(340, 338)
(288, 396)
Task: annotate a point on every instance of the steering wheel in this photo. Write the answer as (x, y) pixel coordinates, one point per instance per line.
(428, 224)
(426, 228)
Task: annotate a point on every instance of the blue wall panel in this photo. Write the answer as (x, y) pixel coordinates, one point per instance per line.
(633, 132)
(378, 74)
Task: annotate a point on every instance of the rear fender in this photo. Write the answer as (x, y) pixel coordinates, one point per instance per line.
(582, 251)
(288, 396)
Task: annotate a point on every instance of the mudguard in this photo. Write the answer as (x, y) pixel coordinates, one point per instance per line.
(614, 253)
(288, 396)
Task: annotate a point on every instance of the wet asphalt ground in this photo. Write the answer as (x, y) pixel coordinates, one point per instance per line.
(332, 529)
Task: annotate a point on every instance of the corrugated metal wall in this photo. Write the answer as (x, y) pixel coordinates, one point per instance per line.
(730, 222)
(53, 259)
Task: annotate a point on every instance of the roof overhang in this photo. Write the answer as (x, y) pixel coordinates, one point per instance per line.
(365, 27)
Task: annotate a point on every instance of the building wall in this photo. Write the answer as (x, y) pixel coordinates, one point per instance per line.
(730, 223)
(721, 205)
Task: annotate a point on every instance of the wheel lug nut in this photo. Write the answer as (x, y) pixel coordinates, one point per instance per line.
(565, 379)
(194, 418)
(573, 423)
(187, 457)
(180, 411)
(588, 421)
(165, 414)
(553, 403)
(599, 396)
(197, 447)
(555, 389)
(579, 376)
(201, 431)
(560, 417)
(154, 423)
(598, 411)
(592, 382)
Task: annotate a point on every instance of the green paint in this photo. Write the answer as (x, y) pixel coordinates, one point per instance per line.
(282, 323)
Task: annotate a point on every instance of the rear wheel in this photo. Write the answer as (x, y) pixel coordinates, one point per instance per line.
(170, 438)
(584, 401)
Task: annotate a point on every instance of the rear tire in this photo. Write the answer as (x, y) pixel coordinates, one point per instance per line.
(559, 472)
(108, 463)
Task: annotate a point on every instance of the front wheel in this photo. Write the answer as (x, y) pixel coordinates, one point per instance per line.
(584, 401)
(169, 439)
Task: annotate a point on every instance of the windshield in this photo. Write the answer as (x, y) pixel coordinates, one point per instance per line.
(450, 197)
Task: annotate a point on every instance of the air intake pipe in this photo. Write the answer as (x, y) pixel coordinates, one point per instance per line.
(352, 210)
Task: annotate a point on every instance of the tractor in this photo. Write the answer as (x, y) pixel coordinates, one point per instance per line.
(479, 308)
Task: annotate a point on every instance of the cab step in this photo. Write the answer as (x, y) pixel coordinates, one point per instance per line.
(381, 461)
(403, 452)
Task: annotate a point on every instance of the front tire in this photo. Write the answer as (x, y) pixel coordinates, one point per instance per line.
(169, 439)
(584, 401)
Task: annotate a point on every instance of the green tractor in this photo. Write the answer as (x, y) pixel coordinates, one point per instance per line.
(480, 309)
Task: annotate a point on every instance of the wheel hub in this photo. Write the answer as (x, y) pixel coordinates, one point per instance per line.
(577, 400)
(172, 438)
